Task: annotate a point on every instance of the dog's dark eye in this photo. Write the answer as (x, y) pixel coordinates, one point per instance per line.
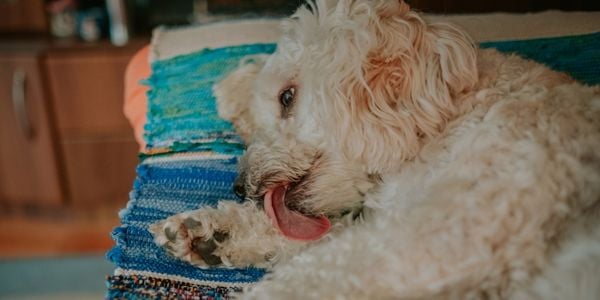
(286, 98)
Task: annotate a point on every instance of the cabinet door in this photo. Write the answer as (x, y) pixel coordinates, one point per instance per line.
(87, 89)
(100, 171)
(100, 153)
(28, 167)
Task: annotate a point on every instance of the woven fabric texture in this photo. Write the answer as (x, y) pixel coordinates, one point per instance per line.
(191, 159)
(182, 114)
(578, 55)
(144, 287)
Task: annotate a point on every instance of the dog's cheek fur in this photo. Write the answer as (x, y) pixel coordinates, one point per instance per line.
(273, 161)
(234, 95)
(334, 188)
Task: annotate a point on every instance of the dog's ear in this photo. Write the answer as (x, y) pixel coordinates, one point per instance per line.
(418, 62)
(234, 94)
(412, 80)
(422, 70)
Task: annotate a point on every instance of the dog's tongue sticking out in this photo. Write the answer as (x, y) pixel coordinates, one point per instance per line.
(293, 224)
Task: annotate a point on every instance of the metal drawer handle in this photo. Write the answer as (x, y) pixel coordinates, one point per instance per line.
(19, 103)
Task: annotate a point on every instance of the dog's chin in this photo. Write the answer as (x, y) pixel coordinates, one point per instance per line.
(283, 206)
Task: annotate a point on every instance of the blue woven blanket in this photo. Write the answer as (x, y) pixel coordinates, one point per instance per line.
(191, 162)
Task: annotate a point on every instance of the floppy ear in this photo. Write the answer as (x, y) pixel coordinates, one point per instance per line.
(234, 94)
(439, 43)
(411, 84)
(419, 69)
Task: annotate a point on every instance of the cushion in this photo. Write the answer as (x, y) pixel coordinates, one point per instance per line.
(135, 93)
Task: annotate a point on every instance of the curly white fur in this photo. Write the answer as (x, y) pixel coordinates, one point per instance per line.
(478, 173)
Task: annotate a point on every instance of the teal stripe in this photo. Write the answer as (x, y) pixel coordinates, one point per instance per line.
(182, 107)
(579, 55)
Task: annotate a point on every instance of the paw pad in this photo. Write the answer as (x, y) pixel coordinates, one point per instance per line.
(205, 250)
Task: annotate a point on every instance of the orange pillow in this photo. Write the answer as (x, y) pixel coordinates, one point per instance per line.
(136, 103)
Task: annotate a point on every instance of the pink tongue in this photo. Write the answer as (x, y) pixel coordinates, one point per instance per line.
(293, 224)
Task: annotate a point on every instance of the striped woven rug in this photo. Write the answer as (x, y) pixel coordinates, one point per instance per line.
(189, 162)
(191, 159)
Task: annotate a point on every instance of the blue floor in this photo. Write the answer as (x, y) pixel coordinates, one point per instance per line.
(75, 277)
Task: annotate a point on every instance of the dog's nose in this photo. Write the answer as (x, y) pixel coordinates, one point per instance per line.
(238, 188)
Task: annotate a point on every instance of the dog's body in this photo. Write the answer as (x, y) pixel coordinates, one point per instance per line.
(477, 174)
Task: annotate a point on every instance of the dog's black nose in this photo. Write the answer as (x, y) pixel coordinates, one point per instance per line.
(239, 189)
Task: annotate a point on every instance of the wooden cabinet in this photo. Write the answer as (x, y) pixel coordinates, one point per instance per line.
(97, 142)
(29, 164)
(88, 86)
(64, 140)
(100, 172)
(23, 16)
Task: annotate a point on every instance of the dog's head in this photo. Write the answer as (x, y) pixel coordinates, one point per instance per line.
(354, 89)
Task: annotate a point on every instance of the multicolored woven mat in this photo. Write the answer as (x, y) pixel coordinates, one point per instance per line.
(191, 162)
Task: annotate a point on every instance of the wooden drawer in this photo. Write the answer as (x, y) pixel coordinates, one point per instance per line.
(87, 91)
(29, 171)
(100, 172)
(98, 149)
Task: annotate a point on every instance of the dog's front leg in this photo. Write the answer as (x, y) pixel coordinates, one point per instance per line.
(233, 234)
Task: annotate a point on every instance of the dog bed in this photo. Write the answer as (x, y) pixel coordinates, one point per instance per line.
(189, 155)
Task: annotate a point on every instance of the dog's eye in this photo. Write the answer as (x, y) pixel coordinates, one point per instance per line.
(286, 98)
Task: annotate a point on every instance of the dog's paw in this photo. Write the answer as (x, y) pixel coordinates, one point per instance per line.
(186, 237)
(231, 235)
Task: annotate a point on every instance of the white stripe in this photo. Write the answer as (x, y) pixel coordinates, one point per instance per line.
(188, 156)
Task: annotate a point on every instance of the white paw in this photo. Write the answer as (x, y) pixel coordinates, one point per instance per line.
(186, 237)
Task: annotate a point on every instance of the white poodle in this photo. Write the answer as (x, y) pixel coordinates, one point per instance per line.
(390, 158)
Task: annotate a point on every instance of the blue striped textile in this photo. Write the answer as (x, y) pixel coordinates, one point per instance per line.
(190, 162)
(164, 188)
(182, 113)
